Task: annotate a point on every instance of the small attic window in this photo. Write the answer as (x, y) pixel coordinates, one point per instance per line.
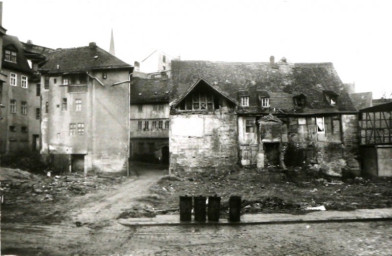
(104, 75)
(10, 56)
(245, 101)
(264, 99)
(331, 97)
(299, 100)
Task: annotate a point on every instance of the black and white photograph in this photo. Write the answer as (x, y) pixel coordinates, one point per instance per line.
(195, 127)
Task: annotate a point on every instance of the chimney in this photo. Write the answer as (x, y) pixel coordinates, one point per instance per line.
(272, 60)
(92, 45)
(1, 14)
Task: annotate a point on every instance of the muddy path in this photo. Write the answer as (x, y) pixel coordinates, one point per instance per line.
(88, 223)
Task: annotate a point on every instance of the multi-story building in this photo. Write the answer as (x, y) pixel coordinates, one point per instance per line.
(260, 114)
(20, 124)
(86, 110)
(150, 120)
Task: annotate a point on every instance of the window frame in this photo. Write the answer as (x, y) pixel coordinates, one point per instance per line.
(24, 82)
(320, 131)
(13, 106)
(78, 105)
(250, 123)
(72, 129)
(13, 79)
(64, 104)
(37, 113)
(23, 108)
(245, 101)
(265, 102)
(80, 128)
(10, 56)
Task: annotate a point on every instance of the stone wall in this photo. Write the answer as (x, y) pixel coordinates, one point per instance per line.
(200, 141)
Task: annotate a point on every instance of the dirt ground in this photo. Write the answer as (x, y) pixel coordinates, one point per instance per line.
(276, 191)
(77, 215)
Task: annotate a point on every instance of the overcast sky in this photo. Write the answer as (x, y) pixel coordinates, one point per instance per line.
(353, 34)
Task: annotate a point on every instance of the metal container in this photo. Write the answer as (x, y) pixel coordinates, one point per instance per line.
(234, 208)
(200, 208)
(213, 208)
(185, 208)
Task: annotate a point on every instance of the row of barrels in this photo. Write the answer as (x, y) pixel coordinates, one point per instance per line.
(204, 207)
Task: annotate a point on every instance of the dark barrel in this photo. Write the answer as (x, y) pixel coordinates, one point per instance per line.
(200, 208)
(234, 208)
(213, 208)
(185, 208)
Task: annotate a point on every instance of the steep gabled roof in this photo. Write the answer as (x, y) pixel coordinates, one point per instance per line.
(13, 43)
(144, 91)
(82, 59)
(197, 83)
(282, 80)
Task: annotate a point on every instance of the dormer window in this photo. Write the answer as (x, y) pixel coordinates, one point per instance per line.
(65, 81)
(10, 56)
(264, 102)
(245, 101)
(331, 97)
(300, 101)
(264, 99)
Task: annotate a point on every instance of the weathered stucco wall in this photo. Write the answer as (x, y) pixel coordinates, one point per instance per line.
(19, 139)
(203, 140)
(104, 113)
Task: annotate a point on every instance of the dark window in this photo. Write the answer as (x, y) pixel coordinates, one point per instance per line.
(151, 147)
(38, 90)
(47, 107)
(300, 101)
(140, 145)
(166, 125)
(55, 80)
(164, 59)
(64, 104)
(140, 108)
(37, 113)
(146, 124)
(139, 125)
(24, 129)
(154, 124)
(10, 56)
(198, 101)
(160, 124)
(82, 79)
(46, 84)
(12, 128)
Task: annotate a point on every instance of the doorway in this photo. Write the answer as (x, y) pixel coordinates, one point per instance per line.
(272, 154)
(77, 162)
(36, 142)
(165, 155)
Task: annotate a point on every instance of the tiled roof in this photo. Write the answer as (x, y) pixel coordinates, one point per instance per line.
(362, 99)
(281, 81)
(145, 91)
(13, 43)
(82, 59)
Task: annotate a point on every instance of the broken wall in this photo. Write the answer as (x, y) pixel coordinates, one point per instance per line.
(203, 140)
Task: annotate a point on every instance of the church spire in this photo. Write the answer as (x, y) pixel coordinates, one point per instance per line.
(112, 45)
